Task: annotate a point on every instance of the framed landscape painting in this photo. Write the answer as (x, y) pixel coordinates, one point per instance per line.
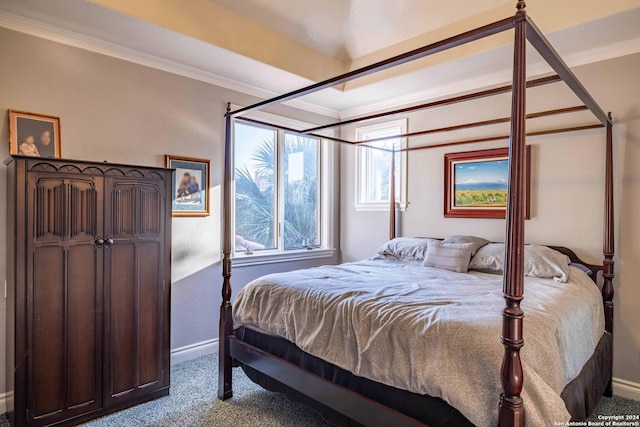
(190, 186)
(476, 183)
(34, 135)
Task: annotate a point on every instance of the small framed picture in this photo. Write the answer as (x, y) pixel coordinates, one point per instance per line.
(190, 186)
(35, 135)
(476, 183)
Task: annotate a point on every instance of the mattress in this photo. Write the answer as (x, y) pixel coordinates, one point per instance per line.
(431, 331)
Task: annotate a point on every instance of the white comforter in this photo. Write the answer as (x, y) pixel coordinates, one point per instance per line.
(432, 331)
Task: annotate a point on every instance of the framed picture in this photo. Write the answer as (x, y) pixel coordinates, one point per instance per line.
(34, 135)
(190, 186)
(475, 183)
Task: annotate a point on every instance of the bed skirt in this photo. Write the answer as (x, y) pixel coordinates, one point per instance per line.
(583, 393)
(580, 396)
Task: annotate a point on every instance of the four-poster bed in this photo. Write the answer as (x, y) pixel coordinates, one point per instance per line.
(272, 369)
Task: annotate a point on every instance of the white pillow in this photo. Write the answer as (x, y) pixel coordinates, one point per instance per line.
(406, 248)
(449, 256)
(539, 261)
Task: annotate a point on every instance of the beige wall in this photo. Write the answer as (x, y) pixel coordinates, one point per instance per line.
(567, 187)
(121, 112)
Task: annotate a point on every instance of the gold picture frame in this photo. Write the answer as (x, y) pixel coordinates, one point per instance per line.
(475, 183)
(36, 135)
(190, 186)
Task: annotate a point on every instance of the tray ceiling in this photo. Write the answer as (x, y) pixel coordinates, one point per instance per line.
(349, 29)
(266, 47)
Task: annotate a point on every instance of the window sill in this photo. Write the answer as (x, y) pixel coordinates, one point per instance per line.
(242, 260)
(380, 206)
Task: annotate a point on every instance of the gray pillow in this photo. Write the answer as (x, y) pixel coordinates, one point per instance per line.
(478, 242)
(413, 248)
(539, 261)
(449, 256)
(582, 267)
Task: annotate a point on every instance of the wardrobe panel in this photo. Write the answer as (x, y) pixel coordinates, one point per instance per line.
(123, 323)
(84, 221)
(49, 209)
(84, 318)
(47, 384)
(151, 212)
(122, 210)
(150, 314)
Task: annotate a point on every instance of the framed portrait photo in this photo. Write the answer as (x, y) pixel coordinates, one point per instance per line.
(476, 183)
(35, 135)
(190, 186)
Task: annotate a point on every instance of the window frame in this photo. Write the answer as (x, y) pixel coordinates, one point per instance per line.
(362, 169)
(326, 203)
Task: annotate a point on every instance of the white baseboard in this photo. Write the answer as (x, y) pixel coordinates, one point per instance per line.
(191, 351)
(4, 398)
(626, 389)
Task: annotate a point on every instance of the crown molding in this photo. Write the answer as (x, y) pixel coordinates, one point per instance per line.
(275, 119)
(60, 35)
(604, 53)
(589, 56)
(468, 85)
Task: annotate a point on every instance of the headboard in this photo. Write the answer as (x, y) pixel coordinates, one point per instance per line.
(595, 268)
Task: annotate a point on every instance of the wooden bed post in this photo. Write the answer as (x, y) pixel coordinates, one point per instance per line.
(511, 405)
(608, 247)
(392, 196)
(226, 321)
(609, 240)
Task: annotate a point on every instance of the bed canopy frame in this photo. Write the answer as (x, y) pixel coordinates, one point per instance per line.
(511, 409)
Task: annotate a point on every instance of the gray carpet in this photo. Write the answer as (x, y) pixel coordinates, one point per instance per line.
(193, 403)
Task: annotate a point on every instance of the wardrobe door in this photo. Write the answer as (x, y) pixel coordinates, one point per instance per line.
(134, 298)
(64, 296)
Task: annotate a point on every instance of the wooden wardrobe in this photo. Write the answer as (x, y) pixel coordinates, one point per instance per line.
(88, 288)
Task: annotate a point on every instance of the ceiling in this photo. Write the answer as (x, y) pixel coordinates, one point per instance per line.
(267, 47)
(349, 29)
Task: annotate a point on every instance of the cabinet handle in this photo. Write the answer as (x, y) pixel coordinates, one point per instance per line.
(99, 241)
(108, 242)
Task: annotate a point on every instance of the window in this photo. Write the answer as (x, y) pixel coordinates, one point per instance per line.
(279, 192)
(373, 167)
(255, 184)
(300, 192)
